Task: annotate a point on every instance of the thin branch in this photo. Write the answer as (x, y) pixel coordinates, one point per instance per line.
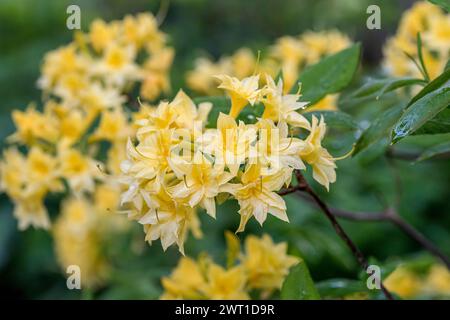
(337, 227)
(390, 215)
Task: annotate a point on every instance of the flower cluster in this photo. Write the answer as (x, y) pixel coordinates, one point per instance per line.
(263, 266)
(289, 55)
(74, 145)
(176, 165)
(433, 25)
(410, 284)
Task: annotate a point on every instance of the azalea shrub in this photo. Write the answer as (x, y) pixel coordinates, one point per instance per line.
(292, 171)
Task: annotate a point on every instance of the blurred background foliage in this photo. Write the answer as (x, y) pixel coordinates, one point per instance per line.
(368, 182)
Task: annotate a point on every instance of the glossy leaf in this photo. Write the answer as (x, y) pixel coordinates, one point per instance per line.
(420, 112)
(299, 285)
(329, 75)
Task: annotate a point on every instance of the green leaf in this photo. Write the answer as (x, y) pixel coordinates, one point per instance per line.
(420, 112)
(375, 88)
(447, 65)
(435, 151)
(444, 4)
(378, 129)
(419, 52)
(299, 284)
(437, 125)
(329, 75)
(334, 119)
(338, 288)
(430, 87)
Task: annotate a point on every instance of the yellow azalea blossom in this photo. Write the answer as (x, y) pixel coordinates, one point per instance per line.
(403, 282)
(113, 126)
(78, 241)
(256, 194)
(243, 63)
(101, 34)
(185, 282)
(226, 284)
(167, 220)
(202, 80)
(438, 280)
(79, 170)
(290, 52)
(266, 263)
(275, 149)
(230, 143)
(319, 44)
(28, 196)
(201, 181)
(241, 92)
(32, 125)
(433, 25)
(317, 156)
(279, 107)
(117, 65)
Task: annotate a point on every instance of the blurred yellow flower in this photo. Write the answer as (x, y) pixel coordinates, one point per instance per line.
(266, 263)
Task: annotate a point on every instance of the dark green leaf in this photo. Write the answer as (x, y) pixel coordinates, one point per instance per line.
(435, 151)
(437, 125)
(419, 52)
(379, 128)
(299, 284)
(375, 88)
(338, 288)
(433, 85)
(420, 112)
(329, 75)
(444, 4)
(334, 119)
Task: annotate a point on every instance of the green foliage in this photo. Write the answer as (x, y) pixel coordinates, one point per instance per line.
(379, 128)
(330, 75)
(375, 88)
(299, 285)
(444, 4)
(421, 111)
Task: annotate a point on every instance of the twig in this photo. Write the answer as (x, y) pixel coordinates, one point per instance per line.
(337, 227)
(390, 215)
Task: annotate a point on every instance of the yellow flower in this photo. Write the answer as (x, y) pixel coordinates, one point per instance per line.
(117, 65)
(266, 263)
(275, 149)
(32, 125)
(257, 195)
(185, 282)
(79, 170)
(230, 143)
(432, 24)
(202, 80)
(200, 182)
(403, 282)
(241, 92)
(317, 156)
(319, 44)
(166, 219)
(438, 280)
(243, 63)
(101, 34)
(289, 51)
(226, 284)
(78, 241)
(113, 127)
(279, 107)
(27, 181)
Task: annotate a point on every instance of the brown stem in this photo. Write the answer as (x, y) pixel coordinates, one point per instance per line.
(337, 227)
(390, 215)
